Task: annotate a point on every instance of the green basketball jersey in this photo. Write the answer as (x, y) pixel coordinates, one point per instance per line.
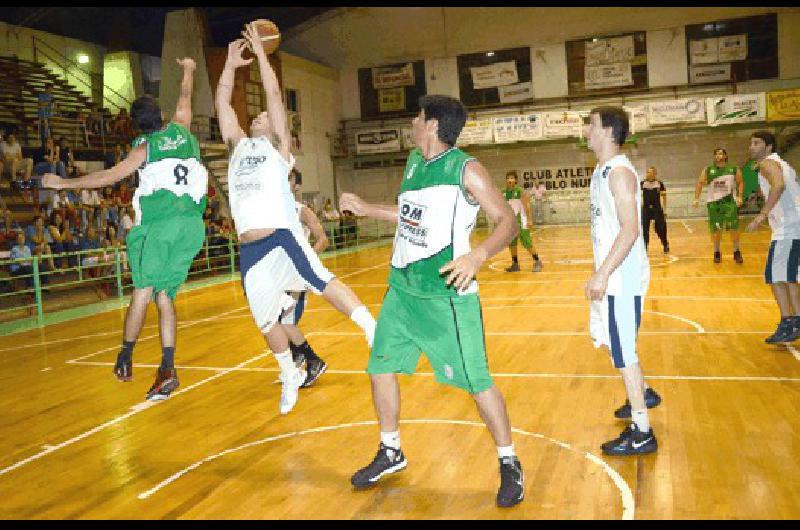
(515, 196)
(720, 181)
(172, 181)
(435, 218)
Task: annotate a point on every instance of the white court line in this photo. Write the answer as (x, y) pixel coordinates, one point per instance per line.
(686, 226)
(572, 333)
(180, 326)
(141, 406)
(794, 351)
(628, 505)
(532, 375)
(132, 411)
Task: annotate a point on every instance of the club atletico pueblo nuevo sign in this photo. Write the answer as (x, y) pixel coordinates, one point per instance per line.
(558, 178)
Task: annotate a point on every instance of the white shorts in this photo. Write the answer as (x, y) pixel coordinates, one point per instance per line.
(274, 265)
(614, 322)
(783, 261)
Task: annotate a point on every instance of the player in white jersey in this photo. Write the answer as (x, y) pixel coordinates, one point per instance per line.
(622, 272)
(290, 318)
(778, 182)
(275, 257)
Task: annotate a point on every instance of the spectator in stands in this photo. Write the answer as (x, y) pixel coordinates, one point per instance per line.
(213, 201)
(57, 238)
(124, 194)
(62, 203)
(70, 241)
(114, 157)
(328, 212)
(125, 222)
(23, 268)
(122, 124)
(89, 202)
(93, 261)
(94, 122)
(16, 167)
(65, 156)
(47, 105)
(110, 201)
(8, 226)
(47, 160)
(39, 240)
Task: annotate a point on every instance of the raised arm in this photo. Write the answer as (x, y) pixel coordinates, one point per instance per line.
(772, 172)
(310, 219)
(183, 111)
(622, 183)
(361, 208)
(99, 179)
(228, 122)
(478, 184)
(275, 106)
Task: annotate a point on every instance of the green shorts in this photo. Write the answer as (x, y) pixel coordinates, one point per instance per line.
(524, 237)
(160, 253)
(723, 215)
(448, 330)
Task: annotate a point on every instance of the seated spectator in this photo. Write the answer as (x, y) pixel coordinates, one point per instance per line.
(328, 212)
(70, 241)
(20, 251)
(39, 240)
(95, 122)
(122, 124)
(17, 168)
(124, 194)
(110, 202)
(66, 158)
(62, 203)
(8, 227)
(89, 202)
(59, 238)
(46, 160)
(93, 257)
(125, 222)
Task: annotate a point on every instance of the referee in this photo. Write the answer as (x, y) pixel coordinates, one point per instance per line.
(654, 204)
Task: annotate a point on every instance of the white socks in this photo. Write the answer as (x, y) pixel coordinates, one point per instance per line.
(363, 318)
(285, 362)
(391, 439)
(506, 451)
(641, 420)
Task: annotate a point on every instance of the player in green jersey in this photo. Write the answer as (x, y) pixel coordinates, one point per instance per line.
(432, 303)
(724, 196)
(169, 229)
(521, 206)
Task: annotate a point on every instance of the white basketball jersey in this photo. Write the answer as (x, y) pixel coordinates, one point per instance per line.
(306, 230)
(633, 274)
(784, 218)
(258, 186)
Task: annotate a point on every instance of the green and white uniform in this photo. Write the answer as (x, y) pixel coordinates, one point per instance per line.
(419, 312)
(723, 213)
(169, 205)
(515, 196)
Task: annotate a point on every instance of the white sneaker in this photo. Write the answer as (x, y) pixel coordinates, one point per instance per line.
(290, 388)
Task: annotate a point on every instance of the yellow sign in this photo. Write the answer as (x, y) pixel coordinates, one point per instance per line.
(391, 99)
(783, 105)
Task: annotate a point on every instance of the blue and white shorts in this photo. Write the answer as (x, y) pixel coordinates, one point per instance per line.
(293, 308)
(272, 266)
(783, 261)
(614, 322)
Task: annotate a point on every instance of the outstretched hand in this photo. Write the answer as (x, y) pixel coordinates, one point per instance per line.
(187, 62)
(251, 35)
(462, 270)
(354, 203)
(235, 51)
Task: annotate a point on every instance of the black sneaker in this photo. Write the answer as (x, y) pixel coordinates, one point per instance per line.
(386, 461)
(796, 331)
(737, 257)
(717, 257)
(314, 369)
(514, 267)
(166, 381)
(651, 399)
(784, 333)
(123, 368)
(512, 488)
(631, 441)
(666, 249)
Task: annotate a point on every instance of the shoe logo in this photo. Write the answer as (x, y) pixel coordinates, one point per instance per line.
(637, 446)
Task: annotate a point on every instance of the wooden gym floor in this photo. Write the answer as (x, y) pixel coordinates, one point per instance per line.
(78, 444)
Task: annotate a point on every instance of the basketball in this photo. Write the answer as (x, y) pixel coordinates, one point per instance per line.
(269, 33)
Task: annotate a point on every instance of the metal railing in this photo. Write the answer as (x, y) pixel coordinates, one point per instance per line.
(25, 293)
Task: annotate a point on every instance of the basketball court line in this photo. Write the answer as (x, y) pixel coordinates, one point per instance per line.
(628, 504)
(135, 409)
(686, 226)
(531, 375)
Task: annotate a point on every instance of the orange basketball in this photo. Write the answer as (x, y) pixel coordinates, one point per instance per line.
(269, 33)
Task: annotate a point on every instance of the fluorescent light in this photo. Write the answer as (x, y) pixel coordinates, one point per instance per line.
(489, 54)
(83, 58)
